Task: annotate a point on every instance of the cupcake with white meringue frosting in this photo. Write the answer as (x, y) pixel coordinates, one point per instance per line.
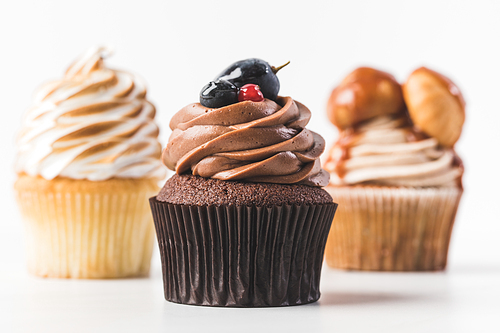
(88, 160)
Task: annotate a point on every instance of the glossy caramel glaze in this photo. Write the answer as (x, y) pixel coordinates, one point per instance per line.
(363, 94)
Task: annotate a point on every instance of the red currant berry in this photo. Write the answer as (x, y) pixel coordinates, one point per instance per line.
(250, 92)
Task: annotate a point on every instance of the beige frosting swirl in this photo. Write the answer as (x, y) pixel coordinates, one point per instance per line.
(251, 141)
(388, 151)
(95, 123)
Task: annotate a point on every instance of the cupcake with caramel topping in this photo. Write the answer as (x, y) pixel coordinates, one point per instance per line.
(397, 179)
(88, 160)
(244, 220)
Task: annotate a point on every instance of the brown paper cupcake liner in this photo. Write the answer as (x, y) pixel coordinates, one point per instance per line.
(391, 228)
(241, 256)
(77, 234)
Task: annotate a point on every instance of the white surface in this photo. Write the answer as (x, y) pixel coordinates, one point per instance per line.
(177, 47)
(465, 299)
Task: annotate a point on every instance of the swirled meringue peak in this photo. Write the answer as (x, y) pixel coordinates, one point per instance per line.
(247, 141)
(95, 123)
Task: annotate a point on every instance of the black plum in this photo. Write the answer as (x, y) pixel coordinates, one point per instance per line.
(254, 71)
(218, 93)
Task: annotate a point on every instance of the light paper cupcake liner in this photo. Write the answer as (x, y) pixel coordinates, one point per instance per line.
(391, 228)
(241, 256)
(77, 234)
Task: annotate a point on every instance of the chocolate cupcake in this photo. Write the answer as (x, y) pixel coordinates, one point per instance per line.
(244, 221)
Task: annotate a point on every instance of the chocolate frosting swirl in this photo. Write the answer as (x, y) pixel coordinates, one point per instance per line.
(248, 141)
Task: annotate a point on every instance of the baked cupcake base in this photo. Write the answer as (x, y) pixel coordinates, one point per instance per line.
(391, 228)
(240, 255)
(86, 229)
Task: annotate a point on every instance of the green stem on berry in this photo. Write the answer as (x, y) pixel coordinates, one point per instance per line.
(276, 69)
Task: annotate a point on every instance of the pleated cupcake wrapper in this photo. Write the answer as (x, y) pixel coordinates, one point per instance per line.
(241, 256)
(83, 235)
(391, 229)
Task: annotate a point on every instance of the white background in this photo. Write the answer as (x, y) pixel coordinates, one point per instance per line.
(177, 47)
